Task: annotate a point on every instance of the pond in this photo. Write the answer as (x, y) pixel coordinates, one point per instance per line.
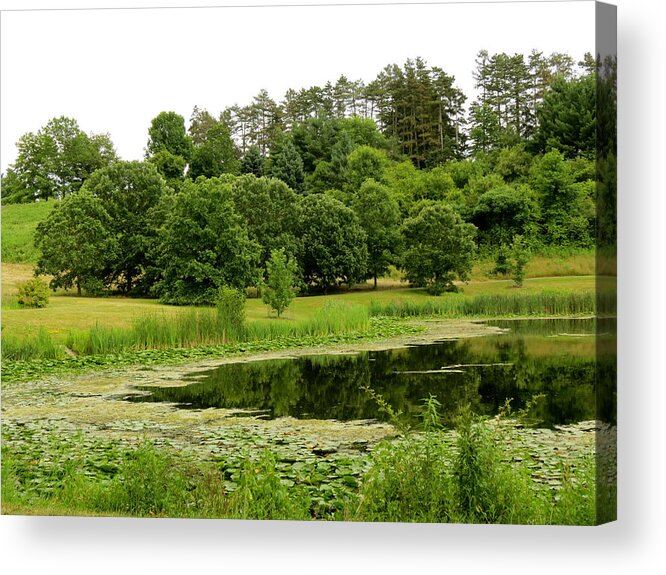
(555, 358)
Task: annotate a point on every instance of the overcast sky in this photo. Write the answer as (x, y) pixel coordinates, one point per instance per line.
(115, 70)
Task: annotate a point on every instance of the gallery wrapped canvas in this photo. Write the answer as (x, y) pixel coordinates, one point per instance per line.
(334, 263)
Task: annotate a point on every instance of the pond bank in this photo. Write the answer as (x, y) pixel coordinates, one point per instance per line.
(84, 411)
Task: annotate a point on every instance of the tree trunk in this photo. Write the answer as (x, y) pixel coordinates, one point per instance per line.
(375, 282)
(78, 287)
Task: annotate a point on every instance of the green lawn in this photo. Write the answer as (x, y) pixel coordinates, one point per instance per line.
(67, 312)
(18, 228)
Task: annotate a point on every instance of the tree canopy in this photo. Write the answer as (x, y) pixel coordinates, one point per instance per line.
(203, 245)
(334, 249)
(55, 161)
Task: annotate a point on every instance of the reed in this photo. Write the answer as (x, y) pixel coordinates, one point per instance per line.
(38, 346)
(209, 326)
(492, 305)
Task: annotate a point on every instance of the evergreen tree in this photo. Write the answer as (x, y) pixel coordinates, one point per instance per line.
(285, 163)
(252, 162)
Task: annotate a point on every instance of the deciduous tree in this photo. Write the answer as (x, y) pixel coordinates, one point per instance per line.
(278, 291)
(204, 245)
(77, 244)
(379, 215)
(439, 247)
(334, 248)
(130, 193)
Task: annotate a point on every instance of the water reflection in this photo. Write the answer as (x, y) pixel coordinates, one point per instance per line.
(553, 357)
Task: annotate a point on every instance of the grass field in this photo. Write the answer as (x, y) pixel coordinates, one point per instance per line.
(19, 222)
(67, 312)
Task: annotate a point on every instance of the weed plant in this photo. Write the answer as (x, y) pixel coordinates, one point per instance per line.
(426, 476)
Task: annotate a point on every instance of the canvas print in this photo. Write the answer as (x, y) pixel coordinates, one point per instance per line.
(334, 263)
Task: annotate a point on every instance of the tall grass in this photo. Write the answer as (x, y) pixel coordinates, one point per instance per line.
(329, 320)
(208, 326)
(491, 305)
(38, 346)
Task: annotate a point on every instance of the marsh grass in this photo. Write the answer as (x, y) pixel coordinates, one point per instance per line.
(37, 346)
(199, 327)
(153, 482)
(492, 305)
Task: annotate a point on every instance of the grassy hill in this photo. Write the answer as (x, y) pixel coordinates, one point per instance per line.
(19, 222)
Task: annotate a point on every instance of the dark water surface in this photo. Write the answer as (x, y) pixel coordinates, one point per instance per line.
(551, 357)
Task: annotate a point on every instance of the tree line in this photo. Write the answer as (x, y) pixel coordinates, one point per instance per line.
(345, 180)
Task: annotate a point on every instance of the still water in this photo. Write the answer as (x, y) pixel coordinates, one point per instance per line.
(551, 357)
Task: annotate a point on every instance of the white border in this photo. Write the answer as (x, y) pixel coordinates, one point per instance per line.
(634, 544)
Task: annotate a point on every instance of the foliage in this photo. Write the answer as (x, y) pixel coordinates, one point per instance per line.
(230, 304)
(278, 291)
(333, 242)
(76, 243)
(286, 164)
(521, 256)
(428, 477)
(365, 163)
(502, 261)
(167, 132)
(379, 215)
(421, 108)
(130, 193)
(439, 247)
(504, 212)
(55, 162)
(203, 245)
(271, 210)
(262, 494)
(215, 154)
(169, 165)
(566, 213)
(567, 117)
(252, 162)
(33, 293)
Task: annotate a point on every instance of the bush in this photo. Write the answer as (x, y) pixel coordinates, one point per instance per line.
(33, 293)
(231, 313)
(502, 262)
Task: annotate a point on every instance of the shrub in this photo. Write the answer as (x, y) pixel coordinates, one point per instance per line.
(521, 256)
(502, 262)
(231, 313)
(33, 293)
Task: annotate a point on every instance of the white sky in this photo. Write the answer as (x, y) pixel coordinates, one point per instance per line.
(114, 70)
